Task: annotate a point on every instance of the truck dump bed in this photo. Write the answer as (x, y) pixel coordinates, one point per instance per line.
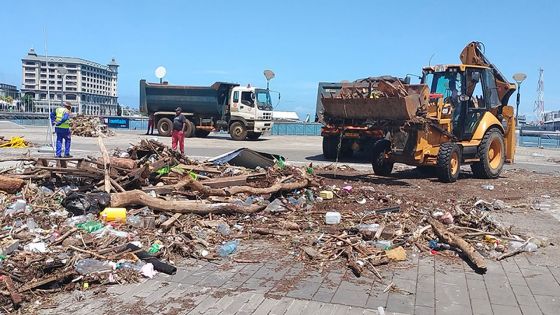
(382, 98)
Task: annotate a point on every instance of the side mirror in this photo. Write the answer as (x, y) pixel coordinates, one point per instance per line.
(407, 80)
(476, 77)
(253, 96)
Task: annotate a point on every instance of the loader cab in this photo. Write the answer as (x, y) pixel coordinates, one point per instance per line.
(470, 90)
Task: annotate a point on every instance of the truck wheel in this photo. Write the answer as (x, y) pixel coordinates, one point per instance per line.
(253, 135)
(491, 151)
(382, 166)
(164, 127)
(238, 131)
(201, 133)
(330, 144)
(189, 129)
(448, 162)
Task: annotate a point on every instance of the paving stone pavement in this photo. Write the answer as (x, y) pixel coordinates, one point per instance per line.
(426, 285)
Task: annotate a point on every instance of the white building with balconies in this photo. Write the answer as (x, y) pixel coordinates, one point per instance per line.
(90, 87)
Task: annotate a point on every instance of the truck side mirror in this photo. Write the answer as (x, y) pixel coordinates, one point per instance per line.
(253, 96)
(407, 80)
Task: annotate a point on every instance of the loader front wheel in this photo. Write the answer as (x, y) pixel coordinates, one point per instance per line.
(382, 166)
(491, 152)
(448, 162)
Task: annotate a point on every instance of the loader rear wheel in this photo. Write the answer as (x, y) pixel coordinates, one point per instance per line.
(164, 127)
(382, 166)
(491, 152)
(238, 131)
(448, 162)
(330, 144)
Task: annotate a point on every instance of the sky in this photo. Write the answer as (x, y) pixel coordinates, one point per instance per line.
(303, 42)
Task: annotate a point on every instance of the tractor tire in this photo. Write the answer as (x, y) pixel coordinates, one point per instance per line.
(190, 129)
(448, 162)
(238, 131)
(164, 127)
(381, 165)
(253, 135)
(201, 133)
(330, 144)
(491, 152)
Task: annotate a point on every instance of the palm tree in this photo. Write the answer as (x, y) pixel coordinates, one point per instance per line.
(28, 102)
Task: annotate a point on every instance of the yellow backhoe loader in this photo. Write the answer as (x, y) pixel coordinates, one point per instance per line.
(457, 115)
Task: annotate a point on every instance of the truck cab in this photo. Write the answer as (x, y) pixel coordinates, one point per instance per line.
(250, 112)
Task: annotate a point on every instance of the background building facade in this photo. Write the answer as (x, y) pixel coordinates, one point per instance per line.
(90, 87)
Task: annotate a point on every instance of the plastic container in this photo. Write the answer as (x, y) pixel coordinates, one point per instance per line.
(326, 194)
(531, 247)
(88, 265)
(113, 215)
(332, 217)
(228, 248)
(134, 220)
(17, 206)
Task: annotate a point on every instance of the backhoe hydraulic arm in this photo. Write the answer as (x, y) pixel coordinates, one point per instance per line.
(473, 54)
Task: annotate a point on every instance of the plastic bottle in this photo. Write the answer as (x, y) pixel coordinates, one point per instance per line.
(309, 196)
(367, 227)
(31, 225)
(332, 217)
(89, 265)
(228, 248)
(275, 206)
(134, 220)
(223, 229)
(128, 265)
(384, 244)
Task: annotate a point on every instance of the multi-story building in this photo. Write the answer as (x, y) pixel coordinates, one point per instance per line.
(9, 90)
(90, 87)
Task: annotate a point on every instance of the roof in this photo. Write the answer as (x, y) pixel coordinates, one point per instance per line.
(32, 56)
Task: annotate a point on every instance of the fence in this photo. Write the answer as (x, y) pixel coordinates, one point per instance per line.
(296, 129)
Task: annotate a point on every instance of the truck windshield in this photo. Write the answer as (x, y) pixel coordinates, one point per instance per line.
(263, 99)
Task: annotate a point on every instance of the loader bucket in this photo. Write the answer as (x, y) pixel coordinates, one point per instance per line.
(351, 103)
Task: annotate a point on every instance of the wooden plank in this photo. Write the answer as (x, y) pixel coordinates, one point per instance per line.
(46, 280)
(106, 164)
(14, 294)
(169, 222)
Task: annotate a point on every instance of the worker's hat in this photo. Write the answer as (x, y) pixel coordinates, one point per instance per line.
(67, 105)
(178, 109)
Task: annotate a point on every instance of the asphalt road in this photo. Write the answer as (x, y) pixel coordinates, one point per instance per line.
(296, 149)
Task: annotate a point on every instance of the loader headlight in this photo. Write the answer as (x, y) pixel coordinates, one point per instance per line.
(446, 110)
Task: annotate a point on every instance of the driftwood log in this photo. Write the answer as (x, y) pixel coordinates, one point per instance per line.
(208, 191)
(120, 162)
(138, 197)
(11, 185)
(456, 241)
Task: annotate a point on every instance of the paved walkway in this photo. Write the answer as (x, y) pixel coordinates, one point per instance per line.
(429, 285)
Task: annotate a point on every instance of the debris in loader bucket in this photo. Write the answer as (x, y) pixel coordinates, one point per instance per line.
(377, 98)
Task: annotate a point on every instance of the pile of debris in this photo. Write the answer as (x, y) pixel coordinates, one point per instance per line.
(70, 224)
(87, 126)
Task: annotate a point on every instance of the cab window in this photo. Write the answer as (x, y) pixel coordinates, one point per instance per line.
(491, 91)
(247, 99)
(236, 96)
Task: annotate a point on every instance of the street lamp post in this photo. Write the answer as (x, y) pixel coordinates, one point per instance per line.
(62, 71)
(519, 78)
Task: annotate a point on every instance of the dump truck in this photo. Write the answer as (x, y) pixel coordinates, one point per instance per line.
(458, 114)
(243, 111)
